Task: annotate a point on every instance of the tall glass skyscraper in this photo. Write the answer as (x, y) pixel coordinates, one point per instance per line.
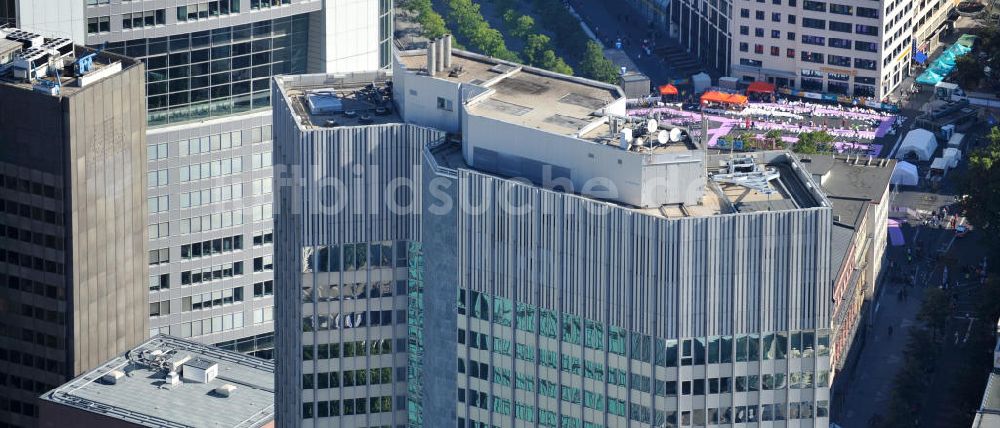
(564, 265)
(208, 70)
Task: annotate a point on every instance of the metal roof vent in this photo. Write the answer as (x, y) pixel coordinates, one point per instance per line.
(225, 390)
(172, 379)
(112, 377)
(174, 363)
(201, 371)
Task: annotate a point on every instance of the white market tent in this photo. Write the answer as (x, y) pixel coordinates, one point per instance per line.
(953, 155)
(918, 142)
(956, 140)
(701, 82)
(940, 164)
(729, 82)
(905, 174)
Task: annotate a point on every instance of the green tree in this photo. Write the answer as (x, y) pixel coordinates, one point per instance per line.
(968, 71)
(471, 26)
(934, 309)
(981, 186)
(596, 66)
(433, 26)
(523, 26)
(534, 47)
(773, 137)
(813, 142)
(554, 63)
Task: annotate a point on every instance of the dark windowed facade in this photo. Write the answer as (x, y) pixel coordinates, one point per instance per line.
(8, 13)
(219, 72)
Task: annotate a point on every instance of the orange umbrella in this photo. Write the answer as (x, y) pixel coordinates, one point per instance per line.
(668, 89)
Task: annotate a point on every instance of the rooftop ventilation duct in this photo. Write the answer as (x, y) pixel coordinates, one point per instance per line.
(172, 379)
(439, 59)
(112, 377)
(447, 51)
(431, 57)
(225, 390)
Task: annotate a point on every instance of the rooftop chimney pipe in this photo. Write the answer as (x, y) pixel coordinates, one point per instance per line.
(447, 52)
(431, 57)
(439, 60)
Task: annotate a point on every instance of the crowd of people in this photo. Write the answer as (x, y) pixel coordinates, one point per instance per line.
(855, 127)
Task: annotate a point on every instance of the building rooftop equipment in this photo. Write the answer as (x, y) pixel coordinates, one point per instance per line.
(854, 177)
(50, 65)
(328, 101)
(141, 387)
(523, 95)
(789, 188)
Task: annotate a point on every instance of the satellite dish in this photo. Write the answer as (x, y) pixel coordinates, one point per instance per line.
(639, 142)
(651, 126)
(675, 135)
(662, 137)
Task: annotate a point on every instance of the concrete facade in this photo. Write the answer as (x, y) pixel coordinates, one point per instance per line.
(818, 46)
(344, 262)
(73, 257)
(574, 308)
(209, 66)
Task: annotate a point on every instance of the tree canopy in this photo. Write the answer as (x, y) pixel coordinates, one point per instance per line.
(472, 27)
(596, 66)
(981, 185)
(813, 142)
(968, 71)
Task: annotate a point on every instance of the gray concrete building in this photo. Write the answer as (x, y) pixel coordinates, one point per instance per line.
(166, 382)
(858, 191)
(347, 255)
(208, 71)
(565, 265)
(72, 212)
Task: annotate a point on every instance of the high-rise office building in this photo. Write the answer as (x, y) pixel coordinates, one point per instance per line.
(208, 70)
(565, 266)
(848, 48)
(345, 295)
(860, 50)
(72, 214)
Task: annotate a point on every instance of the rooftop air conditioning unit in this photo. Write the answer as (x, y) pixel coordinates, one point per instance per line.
(201, 371)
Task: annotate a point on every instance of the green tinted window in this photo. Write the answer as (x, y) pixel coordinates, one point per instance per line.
(525, 352)
(502, 311)
(525, 317)
(525, 382)
(501, 346)
(547, 388)
(571, 329)
(548, 324)
(616, 340)
(593, 400)
(594, 335)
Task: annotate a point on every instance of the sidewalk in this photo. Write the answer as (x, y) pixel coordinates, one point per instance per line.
(869, 387)
(620, 21)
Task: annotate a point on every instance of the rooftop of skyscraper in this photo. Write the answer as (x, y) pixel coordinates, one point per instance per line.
(53, 66)
(524, 95)
(327, 101)
(170, 382)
